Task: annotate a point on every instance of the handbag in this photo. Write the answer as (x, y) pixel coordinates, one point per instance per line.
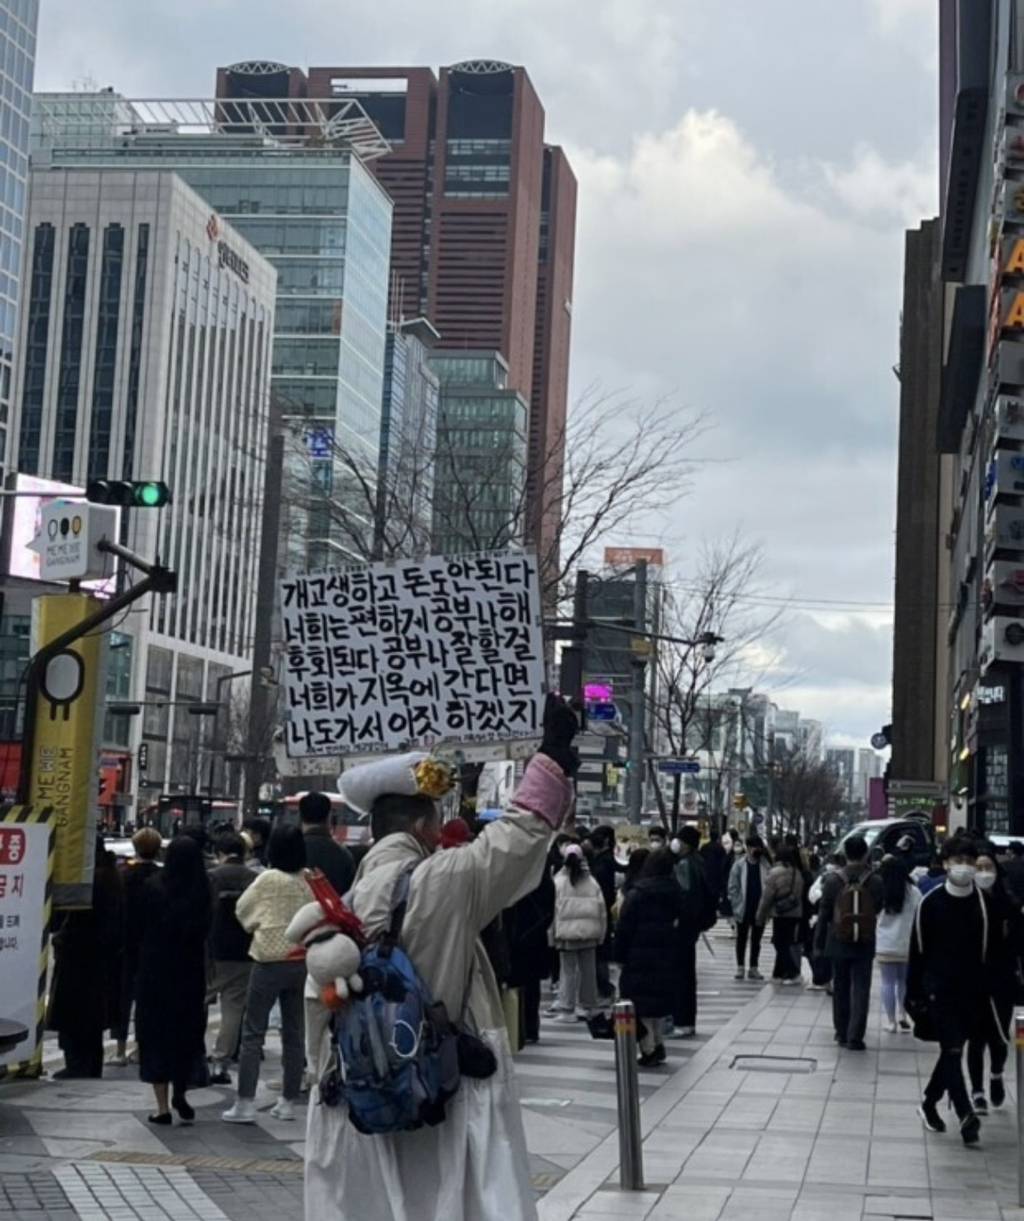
(788, 905)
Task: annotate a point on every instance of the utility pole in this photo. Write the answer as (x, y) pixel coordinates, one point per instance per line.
(637, 710)
(260, 695)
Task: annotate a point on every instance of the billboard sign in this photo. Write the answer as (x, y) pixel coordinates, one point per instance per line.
(626, 557)
(398, 655)
(27, 511)
(65, 744)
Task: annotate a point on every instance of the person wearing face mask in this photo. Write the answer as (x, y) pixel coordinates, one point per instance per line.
(993, 1028)
(947, 979)
(747, 880)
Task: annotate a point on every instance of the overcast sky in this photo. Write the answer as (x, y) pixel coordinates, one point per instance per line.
(746, 173)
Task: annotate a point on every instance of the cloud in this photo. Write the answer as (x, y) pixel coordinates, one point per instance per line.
(745, 180)
(877, 191)
(911, 23)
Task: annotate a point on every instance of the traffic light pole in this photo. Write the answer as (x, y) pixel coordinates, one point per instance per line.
(570, 680)
(637, 709)
(158, 580)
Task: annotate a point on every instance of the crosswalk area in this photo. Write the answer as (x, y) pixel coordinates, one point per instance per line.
(569, 1077)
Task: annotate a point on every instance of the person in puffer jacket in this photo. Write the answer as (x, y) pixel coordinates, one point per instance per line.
(892, 938)
(581, 921)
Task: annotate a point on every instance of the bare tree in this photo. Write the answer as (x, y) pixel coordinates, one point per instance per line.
(807, 795)
(369, 513)
(612, 463)
(252, 738)
(714, 603)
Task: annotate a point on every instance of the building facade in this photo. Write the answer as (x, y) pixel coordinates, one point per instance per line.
(145, 349)
(18, 20)
(292, 179)
(920, 653)
(484, 227)
(480, 468)
(980, 424)
(408, 441)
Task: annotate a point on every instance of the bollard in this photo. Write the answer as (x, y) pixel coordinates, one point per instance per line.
(631, 1152)
(1018, 1039)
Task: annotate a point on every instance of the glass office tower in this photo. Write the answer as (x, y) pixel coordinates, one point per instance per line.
(17, 64)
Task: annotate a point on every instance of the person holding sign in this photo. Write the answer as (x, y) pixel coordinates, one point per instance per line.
(468, 1162)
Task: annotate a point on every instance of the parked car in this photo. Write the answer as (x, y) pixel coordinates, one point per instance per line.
(883, 835)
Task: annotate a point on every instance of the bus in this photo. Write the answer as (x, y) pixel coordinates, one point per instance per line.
(348, 826)
(189, 809)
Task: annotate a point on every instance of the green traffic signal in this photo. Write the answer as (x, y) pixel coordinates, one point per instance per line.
(151, 495)
(138, 494)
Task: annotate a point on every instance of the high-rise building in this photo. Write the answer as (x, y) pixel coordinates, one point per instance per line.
(484, 229)
(291, 177)
(18, 20)
(976, 330)
(480, 468)
(920, 727)
(811, 739)
(408, 440)
(145, 353)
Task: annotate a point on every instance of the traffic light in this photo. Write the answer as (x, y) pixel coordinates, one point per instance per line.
(129, 493)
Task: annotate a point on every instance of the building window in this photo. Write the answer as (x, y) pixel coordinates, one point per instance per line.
(35, 347)
(70, 371)
(135, 352)
(105, 369)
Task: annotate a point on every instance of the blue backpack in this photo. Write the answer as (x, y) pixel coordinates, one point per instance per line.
(395, 1060)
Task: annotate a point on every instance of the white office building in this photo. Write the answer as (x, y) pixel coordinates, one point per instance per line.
(144, 353)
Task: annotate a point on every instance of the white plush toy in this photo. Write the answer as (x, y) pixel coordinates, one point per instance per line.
(332, 957)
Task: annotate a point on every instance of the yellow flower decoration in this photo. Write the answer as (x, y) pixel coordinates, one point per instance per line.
(434, 779)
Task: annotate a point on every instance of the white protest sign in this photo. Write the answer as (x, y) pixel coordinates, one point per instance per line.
(24, 868)
(404, 654)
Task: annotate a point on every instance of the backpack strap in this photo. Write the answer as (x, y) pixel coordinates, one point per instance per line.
(399, 905)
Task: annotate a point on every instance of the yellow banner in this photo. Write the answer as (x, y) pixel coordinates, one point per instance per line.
(65, 748)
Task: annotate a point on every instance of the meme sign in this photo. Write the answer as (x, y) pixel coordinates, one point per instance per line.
(392, 655)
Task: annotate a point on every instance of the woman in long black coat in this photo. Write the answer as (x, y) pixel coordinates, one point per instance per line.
(87, 947)
(170, 1006)
(647, 945)
(527, 923)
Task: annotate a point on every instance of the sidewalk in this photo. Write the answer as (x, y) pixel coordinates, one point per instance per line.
(83, 1149)
(815, 1134)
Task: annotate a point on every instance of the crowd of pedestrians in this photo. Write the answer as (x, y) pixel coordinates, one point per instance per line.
(190, 925)
(179, 928)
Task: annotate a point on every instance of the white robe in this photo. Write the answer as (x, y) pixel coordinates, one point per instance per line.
(474, 1166)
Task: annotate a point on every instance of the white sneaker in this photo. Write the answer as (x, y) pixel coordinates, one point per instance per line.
(890, 1027)
(282, 1109)
(244, 1111)
(566, 1018)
